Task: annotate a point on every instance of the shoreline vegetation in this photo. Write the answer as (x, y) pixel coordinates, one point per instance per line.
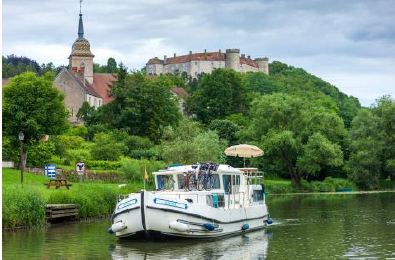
(25, 207)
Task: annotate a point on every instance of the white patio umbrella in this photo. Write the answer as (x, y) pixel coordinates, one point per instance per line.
(244, 151)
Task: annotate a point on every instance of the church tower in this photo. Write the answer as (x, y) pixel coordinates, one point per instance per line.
(81, 57)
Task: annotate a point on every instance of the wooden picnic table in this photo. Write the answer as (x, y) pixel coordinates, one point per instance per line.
(58, 183)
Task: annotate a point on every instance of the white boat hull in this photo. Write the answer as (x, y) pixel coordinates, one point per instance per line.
(172, 215)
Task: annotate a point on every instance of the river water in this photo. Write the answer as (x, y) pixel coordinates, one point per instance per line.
(338, 226)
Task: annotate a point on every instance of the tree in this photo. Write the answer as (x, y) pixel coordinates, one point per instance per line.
(188, 143)
(142, 106)
(225, 129)
(85, 113)
(299, 134)
(373, 145)
(33, 106)
(111, 65)
(107, 147)
(218, 95)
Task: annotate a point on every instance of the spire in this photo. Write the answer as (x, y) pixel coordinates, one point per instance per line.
(80, 25)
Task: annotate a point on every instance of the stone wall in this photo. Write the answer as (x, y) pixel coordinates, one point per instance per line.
(74, 95)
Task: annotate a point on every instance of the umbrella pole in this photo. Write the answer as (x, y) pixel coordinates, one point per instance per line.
(244, 159)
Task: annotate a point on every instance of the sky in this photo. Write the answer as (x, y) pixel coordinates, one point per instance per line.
(350, 44)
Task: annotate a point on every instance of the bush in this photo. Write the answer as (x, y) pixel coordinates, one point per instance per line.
(107, 147)
(74, 156)
(22, 207)
(277, 187)
(133, 170)
(40, 153)
(328, 185)
(9, 153)
(102, 165)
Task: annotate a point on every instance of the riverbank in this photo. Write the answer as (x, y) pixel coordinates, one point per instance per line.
(24, 205)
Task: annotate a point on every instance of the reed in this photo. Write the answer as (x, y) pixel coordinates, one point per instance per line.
(22, 207)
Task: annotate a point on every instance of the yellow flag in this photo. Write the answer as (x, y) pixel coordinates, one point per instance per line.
(145, 174)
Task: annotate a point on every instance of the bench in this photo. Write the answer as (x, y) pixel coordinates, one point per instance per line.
(57, 183)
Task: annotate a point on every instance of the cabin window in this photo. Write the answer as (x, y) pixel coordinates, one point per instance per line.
(165, 182)
(257, 195)
(215, 200)
(216, 184)
(226, 179)
(236, 180)
(180, 180)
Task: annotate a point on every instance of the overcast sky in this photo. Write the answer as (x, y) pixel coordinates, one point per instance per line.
(350, 44)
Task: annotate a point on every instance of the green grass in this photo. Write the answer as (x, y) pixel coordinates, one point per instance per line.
(24, 205)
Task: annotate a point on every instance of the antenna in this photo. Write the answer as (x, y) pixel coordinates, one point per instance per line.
(80, 5)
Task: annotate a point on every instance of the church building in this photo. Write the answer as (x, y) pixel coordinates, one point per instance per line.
(78, 82)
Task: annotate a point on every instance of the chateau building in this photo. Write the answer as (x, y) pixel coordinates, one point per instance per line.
(195, 63)
(78, 82)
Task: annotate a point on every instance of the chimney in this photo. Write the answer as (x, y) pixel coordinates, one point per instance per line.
(243, 55)
(249, 57)
(205, 51)
(164, 59)
(190, 52)
(175, 55)
(219, 51)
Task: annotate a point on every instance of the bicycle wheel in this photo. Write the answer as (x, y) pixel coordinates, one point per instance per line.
(200, 182)
(209, 184)
(191, 183)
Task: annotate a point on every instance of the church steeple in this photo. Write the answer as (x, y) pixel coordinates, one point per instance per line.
(81, 57)
(80, 25)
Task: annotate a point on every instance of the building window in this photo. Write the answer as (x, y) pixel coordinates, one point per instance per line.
(94, 102)
(89, 101)
(99, 102)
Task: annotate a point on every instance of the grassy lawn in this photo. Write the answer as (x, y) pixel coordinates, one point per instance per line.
(25, 205)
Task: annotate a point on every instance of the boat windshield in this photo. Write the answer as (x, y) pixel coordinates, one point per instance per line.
(165, 182)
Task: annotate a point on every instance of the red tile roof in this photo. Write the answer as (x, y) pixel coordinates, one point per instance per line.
(181, 92)
(209, 56)
(102, 83)
(248, 61)
(88, 87)
(155, 60)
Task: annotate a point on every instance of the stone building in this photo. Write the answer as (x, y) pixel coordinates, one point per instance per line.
(78, 82)
(195, 63)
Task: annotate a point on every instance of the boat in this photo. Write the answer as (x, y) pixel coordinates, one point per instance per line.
(204, 200)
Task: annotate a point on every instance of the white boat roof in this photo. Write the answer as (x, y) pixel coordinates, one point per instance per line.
(186, 168)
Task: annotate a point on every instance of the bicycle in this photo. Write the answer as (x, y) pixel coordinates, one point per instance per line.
(189, 181)
(205, 179)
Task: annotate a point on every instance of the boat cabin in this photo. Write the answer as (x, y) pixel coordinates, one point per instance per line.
(229, 186)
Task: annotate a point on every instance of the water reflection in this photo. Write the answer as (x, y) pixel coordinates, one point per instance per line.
(252, 245)
(305, 227)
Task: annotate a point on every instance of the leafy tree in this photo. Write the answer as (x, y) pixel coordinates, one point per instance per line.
(299, 134)
(33, 106)
(225, 129)
(218, 95)
(107, 147)
(86, 112)
(317, 152)
(142, 106)
(190, 144)
(40, 153)
(14, 65)
(372, 145)
(111, 65)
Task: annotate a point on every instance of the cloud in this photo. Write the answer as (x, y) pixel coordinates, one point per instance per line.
(348, 43)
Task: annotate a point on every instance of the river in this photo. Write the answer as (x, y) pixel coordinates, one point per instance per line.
(338, 226)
